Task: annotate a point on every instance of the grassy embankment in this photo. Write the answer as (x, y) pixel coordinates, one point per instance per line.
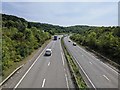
(76, 76)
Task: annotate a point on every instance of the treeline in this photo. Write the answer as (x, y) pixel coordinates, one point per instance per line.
(19, 40)
(78, 28)
(105, 40)
(20, 37)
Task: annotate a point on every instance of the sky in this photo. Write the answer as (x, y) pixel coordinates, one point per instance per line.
(65, 13)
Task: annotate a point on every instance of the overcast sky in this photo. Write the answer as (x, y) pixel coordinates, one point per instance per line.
(65, 13)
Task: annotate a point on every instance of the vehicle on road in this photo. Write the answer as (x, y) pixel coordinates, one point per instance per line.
(74, 44)
(69, 41)
(48, 52)
(55, 37)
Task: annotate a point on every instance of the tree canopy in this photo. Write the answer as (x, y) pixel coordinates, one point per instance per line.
(105, 40)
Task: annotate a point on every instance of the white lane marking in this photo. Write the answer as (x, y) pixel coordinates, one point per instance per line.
(62, 59)
(106, 77)
(28, 70)
(109, 67)
(90, 62)
(49, 64)
(60, 47)
(67, 81)
(98, 59)
(62, 54)
(64, 68)
(85, 74)
(53, 45)
(43, 83)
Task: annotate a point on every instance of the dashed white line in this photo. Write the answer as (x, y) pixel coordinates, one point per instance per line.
(106, 77)
(49, 64)
(90, 62)
(62, 55)
(52, 45)
(43, 83)
(97, 59)
(28, 70)
(62, 59)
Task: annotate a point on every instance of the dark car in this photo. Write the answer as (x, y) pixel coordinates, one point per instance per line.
(74, 44)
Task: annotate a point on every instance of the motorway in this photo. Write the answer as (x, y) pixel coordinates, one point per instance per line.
(46, 71)
(52, 71)
(96, 73)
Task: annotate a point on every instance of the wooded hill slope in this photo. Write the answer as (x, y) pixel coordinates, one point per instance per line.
(105, 40)
(20, 38)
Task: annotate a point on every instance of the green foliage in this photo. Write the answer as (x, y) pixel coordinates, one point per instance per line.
(76, 76)
(18, 41)
(105, 40)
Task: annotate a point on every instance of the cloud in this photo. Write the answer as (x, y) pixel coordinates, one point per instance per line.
(65, 13)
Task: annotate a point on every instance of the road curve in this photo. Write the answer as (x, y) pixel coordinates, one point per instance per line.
(99, 74)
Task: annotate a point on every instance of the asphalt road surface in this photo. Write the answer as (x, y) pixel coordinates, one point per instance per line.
(98, 74)
(45, 72)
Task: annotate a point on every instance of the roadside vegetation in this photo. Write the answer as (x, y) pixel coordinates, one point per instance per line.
(76, 76)
(105, 40)
(20, 38)
(19, 41)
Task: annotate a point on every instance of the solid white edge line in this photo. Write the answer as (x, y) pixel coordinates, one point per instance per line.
(43, 83)
(98, 59)
(64, 68)
(28, 70)
(67, 81)
(85, 74)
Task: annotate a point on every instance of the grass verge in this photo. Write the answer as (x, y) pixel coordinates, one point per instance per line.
(74, 70)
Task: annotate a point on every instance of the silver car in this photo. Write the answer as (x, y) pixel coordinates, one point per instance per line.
(48, 52)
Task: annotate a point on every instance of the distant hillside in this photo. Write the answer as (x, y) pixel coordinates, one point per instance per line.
(10, 20)
(20, 38)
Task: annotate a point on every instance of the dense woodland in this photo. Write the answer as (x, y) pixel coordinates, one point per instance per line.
(20, 38)
(105, 40)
